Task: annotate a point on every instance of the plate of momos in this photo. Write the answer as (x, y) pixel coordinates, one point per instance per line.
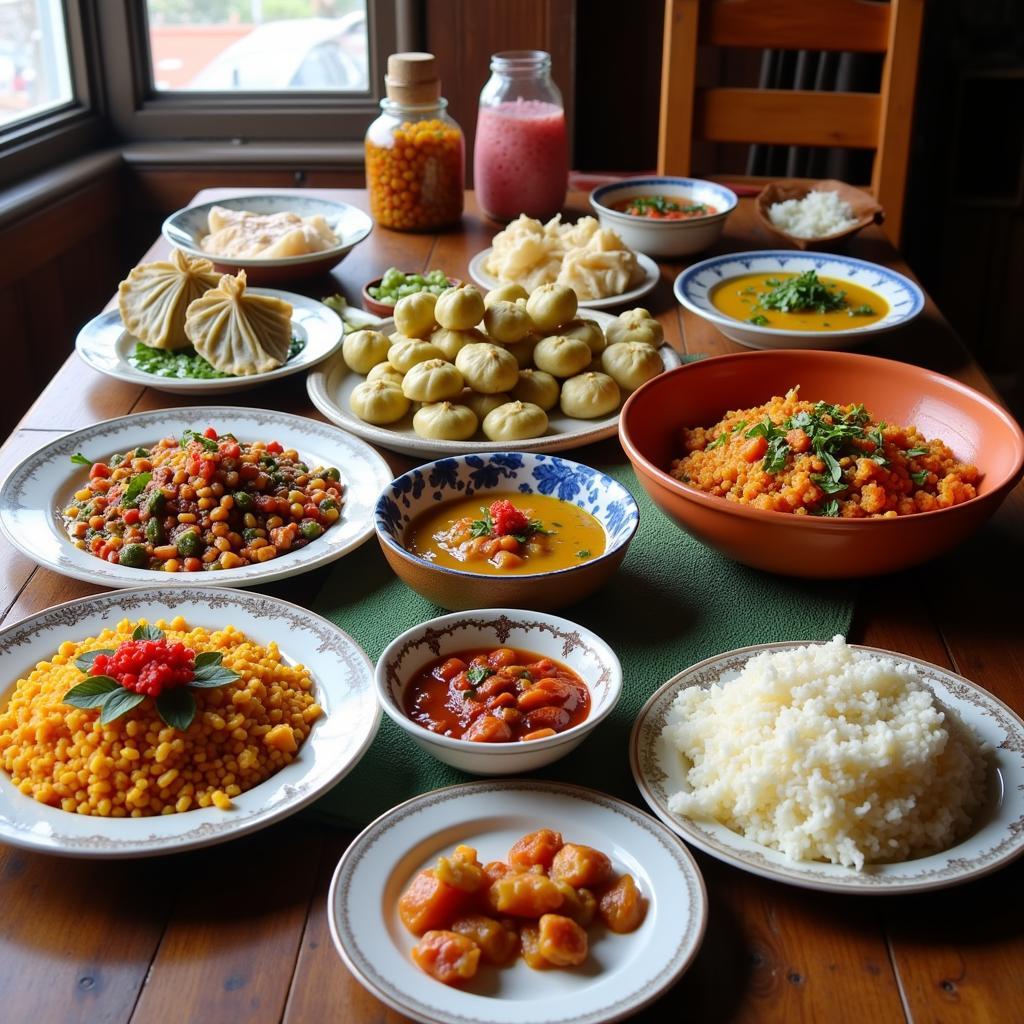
(465, 371)
(182, 327)
(273, 236)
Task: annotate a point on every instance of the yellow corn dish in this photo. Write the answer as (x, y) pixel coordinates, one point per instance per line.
(137, 766)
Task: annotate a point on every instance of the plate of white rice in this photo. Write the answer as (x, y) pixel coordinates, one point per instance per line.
(834, 766)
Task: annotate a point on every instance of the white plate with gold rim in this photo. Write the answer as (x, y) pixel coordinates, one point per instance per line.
(997, 839)
(41, 486)
(342, 684)
(331, 384)
(622, 974)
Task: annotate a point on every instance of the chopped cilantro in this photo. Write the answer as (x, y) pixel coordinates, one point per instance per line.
(804, 293)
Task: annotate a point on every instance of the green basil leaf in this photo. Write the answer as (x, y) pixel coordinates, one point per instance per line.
(920, 477)
(478, 673)
(913, 453)
(193, 435)
(210, 676)
(834, 469)
(91, 692)
(85, 661)
(177, 707)
(147, 633)
(774, 460)
(827, 484)
(80, 460)
(830, 509)
(208, 658)
(135, 487)
(718, 442)
(119, 703)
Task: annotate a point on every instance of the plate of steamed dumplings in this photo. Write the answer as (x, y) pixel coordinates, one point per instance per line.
(464, 371)
(182, 327)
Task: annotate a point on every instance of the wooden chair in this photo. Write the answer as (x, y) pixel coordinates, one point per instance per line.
(879, 121)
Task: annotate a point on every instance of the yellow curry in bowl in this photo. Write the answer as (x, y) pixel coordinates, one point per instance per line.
(798, 302)
(515, 534)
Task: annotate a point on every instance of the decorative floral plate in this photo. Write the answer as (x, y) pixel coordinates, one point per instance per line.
(35, 492)
(998, 838)
(694, 285)
(105, 345)
(331, 385)
(623, 972)
(343, 685)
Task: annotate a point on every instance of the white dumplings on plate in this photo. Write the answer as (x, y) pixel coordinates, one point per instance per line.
(507, 322)
(414, 314)
(537, 387)
(403, 355)
(482, 404)
(433, 380)
(635, 325)
(561, 356)
(378, 401)
(589, 396)
(458, 309)
(488, 368)
(363, 350)
(551, 305)
(631, 363)
(445, 421)
(515, 421)
(452, 342)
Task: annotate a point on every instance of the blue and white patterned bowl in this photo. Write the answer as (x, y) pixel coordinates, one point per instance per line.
(694, 285)
(462, 476)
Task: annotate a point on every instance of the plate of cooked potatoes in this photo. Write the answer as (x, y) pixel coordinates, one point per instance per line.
(467, 371)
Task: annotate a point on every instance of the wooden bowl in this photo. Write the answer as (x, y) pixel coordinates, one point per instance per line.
(486, 475)
(385, 309)
(977, 430)
(863, 205)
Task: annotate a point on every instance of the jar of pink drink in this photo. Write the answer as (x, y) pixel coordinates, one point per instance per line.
(521, 157)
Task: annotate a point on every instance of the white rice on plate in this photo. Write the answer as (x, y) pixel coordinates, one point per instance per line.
(817, 215)
(826, 753)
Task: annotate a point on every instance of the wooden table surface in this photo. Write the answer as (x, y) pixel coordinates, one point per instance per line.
(238, 932)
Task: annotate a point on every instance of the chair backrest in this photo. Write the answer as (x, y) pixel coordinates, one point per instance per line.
(879, 121)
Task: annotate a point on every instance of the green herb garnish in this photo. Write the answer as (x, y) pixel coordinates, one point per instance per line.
(583, 554)
(862, 310)
(662, 204)
(135, 487)
(476, 674)
(919, 477)
(758, 320)
(804, 293)
(913, 453)
(80, 460)
(186, 363)
(831, 509)
(193, 435)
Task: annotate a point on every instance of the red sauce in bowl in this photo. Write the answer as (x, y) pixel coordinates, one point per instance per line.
(664, 208)
(496, 696)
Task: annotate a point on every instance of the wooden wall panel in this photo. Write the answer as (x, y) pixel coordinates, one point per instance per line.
(463, 34)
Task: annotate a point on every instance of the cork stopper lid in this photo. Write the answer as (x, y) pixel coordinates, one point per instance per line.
(412, 79)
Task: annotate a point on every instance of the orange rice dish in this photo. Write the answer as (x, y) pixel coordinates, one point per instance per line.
(813, 458)
(137, 766)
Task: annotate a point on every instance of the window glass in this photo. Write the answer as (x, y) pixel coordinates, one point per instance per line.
(258, 45)
(35, 73)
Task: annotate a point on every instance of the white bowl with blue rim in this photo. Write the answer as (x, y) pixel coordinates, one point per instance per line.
(536, 633)
(658, 236)
(694, 286)
(187, 227)
(490, 476)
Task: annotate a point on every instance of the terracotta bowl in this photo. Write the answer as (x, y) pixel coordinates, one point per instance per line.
(863, 205)
(976, 429)
(547, 635)
(386, 309)
(501, 472)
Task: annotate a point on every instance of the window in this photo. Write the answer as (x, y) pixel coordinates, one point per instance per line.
(35, 66)
(258, 45)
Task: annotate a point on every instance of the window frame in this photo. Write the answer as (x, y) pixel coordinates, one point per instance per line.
(58, 134)
(140, 113)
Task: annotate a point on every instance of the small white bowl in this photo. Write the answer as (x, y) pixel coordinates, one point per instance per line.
(545, 635)
(664, 238)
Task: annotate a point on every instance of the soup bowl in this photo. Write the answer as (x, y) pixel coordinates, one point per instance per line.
(544, 635)
(696, 286)
(660, 237)
(976, 429)
(485, 476)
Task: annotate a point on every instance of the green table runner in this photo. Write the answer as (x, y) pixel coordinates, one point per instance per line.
(673, 603)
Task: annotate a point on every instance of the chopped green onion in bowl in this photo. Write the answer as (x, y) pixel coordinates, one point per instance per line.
(395, 285)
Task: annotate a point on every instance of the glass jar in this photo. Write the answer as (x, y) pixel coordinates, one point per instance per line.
(521, 156)
(415, 166)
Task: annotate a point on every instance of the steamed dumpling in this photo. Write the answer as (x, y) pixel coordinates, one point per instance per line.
(631, 363)
(458, 309)
(385, 371)
(406, 353)
(414, 314)
(507, 322)
(515, 421)
(482, 404)
(239, 333)
(562, 357)
(452, 342)
(588, 331)
(636, 325)
(551, 305)
(590, 395)
(363, 350)
(510, 292)
(488, 368)
(537, 387)
(378, 401)
(523, 350)
(433, 380)
(444, 421)
(154, 297)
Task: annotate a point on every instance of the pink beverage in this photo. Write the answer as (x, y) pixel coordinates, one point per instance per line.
(521, 159)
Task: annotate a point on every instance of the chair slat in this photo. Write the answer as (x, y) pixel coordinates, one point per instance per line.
(856, 26)
(790, 117)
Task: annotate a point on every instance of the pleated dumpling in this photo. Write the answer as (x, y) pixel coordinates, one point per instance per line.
(154, 297)
(240, 333)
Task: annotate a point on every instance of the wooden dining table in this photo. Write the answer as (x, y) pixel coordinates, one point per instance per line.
(239, 932)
